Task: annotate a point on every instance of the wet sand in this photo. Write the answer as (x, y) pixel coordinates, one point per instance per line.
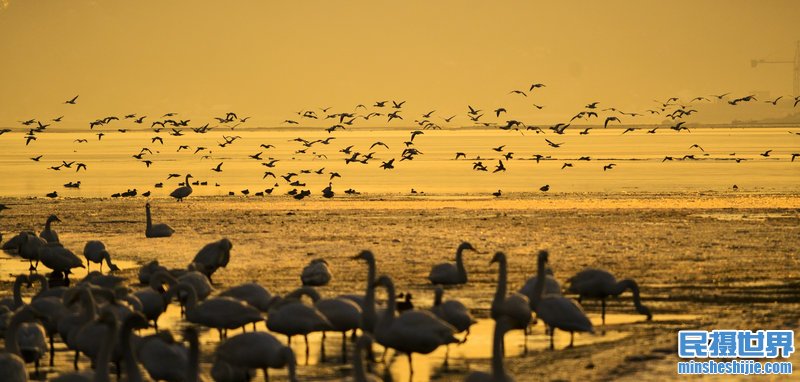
(706, 260)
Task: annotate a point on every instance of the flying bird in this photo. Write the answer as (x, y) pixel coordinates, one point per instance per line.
(72, 101)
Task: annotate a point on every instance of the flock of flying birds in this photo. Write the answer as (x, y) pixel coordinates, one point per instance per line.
(173, 125)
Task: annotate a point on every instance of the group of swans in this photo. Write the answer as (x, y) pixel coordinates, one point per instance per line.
(92, 320)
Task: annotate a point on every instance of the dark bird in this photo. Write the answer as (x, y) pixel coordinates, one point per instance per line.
(415, 133)
(72, 101)
(36, 159)
(629, 130)
(52, 195)
(518, 92)
(81, 140)
(500, 110)
(378, 144)
(565, 165)
(585, 131)
(544, 188)
(535, 86)
(556, 145)
(499, 167)
(29, 138)
(720, 96)
(218, 168)
(497, 194)
(592, 105)
(388, 165)
(448, 119)
(775, 101)
(795, 155)
(256, 156)
(81, 166)
(499, 149)
(156, 138)
(461, 155)
(609, 166)
(765, 153)
(652, 131)
(540, 107)
(397, 105)
(182, 147)
(697, 146)
(609, 119)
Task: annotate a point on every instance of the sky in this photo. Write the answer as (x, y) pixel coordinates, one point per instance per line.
(270, 59)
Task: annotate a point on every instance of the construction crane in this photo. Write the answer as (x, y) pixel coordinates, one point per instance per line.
(796, 63)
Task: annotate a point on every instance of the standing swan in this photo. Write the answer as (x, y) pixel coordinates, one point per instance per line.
(557, 311)
(12, 368)
(316, 273)
(95, 252)
(212, 257)
(221, 313)
(290, 316)
(448, 273)
(597, 283)
(368, 315)
(48, 233)
(257, 350)
(100, 374)
(183, 191)
(25, 337)
(156, 230)
(501, 327)
(414, 331)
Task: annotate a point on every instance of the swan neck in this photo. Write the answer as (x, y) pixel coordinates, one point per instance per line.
(437, 298)
(191, 300)
(186, 183)
(194, 357)
(391, 303)
(498, 369)
(502, 286)
(359, 372)
(462, 272)
(149, 220)
(538, 288)
(101, 371)
(131, 365)
(88, 306)
(369, 295)
(18, 291)
(629, 284)
(291, 365)
(21, 316)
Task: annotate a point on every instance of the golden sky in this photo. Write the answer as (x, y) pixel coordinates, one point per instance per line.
(270, 59)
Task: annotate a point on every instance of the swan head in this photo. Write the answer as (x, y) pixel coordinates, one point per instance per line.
(147, 205)
(365, 255)
(137, 320)
(384, 281)
(466, 246)
(646, 311)
(499, 257)
(53, 218)
(542, 256)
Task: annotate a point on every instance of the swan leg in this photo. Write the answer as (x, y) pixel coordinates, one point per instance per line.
(603, 310)
(446, 355)
(75, 360)
(525, 340)
(322, 348)
(571, 338)
(410, 368)
(254, 326)
(306, 338)
(266, 374)
(552, 332)
(52, 350)
(344, 347)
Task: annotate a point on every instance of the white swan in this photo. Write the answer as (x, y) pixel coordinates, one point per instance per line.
(414, 331)
(212, 257)
(12, 368)
(14, 302)
(600, 284)
(557, 311)
(316, 273)
(164, 358)
(290, 316)
(95, 252)
(221, 313)
(100, 374)
(183, 191)
(257, 350)
(25, 337)
(156, 230)
(449, 273)
(49, 234)
(498, 374)
(515, 306)
(59, 259)
(343, 314)
(551, 286)
(253, 294)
